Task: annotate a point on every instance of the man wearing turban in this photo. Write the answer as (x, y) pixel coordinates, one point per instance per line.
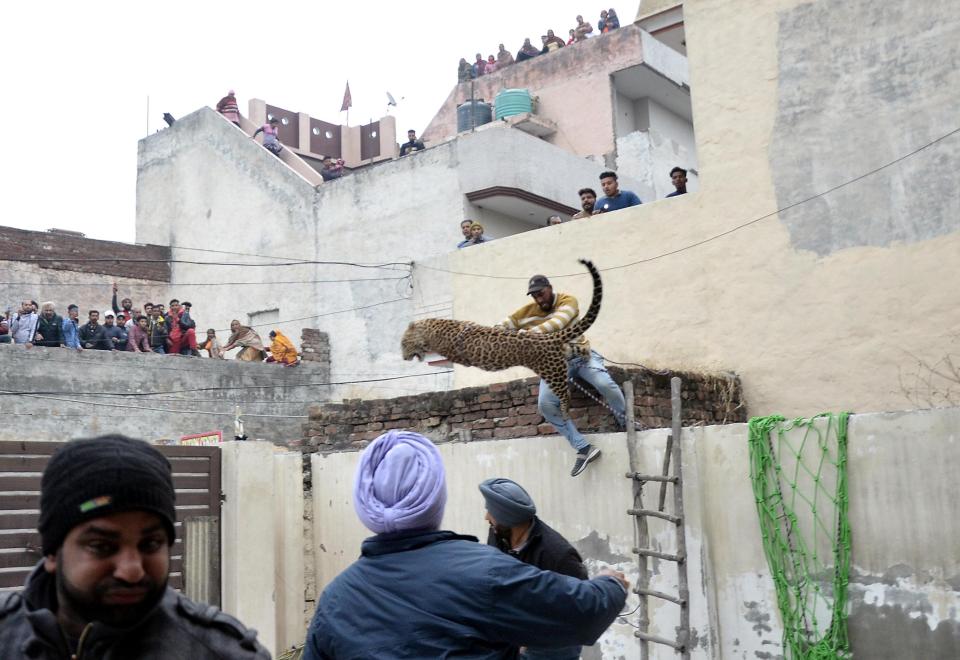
(421, 592)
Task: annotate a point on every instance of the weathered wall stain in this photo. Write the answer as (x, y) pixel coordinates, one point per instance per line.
(846, 106)
(759, 619)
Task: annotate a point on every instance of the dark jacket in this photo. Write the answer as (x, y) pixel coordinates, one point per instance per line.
(176, 629)
(52, 332)
(438, 594)
(117, 337)
(157, 332)
(546, 549)
(95, 336)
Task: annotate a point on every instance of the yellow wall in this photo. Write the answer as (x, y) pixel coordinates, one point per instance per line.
(805, 332)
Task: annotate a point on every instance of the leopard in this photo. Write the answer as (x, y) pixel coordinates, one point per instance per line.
(496, 348)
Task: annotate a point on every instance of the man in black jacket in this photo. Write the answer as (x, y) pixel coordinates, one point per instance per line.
(93, 335)
(49, 330)
(106, 528)
(516, 530)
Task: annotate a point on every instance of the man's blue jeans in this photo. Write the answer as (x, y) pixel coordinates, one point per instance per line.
(593, 372)
(564, 653)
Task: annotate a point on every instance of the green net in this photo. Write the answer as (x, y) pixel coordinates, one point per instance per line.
(799, 475)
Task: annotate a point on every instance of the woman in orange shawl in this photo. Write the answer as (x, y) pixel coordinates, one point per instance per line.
(282, 349)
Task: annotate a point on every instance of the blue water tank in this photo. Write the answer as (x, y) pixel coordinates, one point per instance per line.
(480, 111)
(511, 102)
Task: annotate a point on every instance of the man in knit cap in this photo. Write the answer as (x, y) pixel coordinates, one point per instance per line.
(516, 530)
(420, 592)
(106, 528)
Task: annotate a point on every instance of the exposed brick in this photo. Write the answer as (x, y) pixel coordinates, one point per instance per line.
(509, 410)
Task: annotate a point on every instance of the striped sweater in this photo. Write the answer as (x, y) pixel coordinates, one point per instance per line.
(563, 312)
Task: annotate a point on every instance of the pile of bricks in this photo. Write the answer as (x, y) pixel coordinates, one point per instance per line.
(509, 410)
(314, 346)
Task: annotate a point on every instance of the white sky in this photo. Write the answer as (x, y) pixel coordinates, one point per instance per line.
(76, 76)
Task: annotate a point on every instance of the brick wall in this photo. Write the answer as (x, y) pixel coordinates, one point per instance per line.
(315, 346)
(148, 260)
(509, 410)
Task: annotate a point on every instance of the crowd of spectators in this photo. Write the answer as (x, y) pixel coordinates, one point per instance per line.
(613, 199)
(549, 43)
(152, 329)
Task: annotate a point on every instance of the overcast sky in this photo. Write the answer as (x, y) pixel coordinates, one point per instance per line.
(76, 77)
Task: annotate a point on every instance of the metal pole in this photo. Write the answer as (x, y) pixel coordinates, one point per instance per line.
(683, 634)
(473, 109)
(641, 533)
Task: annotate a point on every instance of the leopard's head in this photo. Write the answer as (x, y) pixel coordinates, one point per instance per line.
(414, 342)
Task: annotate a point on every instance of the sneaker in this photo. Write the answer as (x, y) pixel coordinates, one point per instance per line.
(585, 456)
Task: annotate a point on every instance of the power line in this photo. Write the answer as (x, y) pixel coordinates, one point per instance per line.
(224, 389)
(179, 284)
(120, 260)
(723, 233)
(165, 410)
(317, 316)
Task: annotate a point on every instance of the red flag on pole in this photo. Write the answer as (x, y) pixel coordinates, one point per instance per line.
(347, 99)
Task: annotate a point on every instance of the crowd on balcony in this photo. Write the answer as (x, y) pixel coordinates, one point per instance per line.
(549, 43)
(613, 199)
(153, 328)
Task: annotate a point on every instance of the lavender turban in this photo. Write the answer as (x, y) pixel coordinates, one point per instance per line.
(400, 484)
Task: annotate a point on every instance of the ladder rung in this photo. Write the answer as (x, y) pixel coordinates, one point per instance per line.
(647, 637)
(659, 555)
(659, 594)
(656, 514)
(650, 477)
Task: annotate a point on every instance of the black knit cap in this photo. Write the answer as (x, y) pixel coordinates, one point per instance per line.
(96, 477)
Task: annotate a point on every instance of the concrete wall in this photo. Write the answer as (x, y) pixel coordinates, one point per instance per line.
(202, 173)
(29, 281)
(808, 324)
(70, 269)
(904, 594)
(261, 541)
(74, 395)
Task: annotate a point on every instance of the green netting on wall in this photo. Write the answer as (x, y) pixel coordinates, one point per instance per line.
(799, 474)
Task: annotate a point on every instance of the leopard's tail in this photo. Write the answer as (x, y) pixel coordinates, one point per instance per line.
(584, 322)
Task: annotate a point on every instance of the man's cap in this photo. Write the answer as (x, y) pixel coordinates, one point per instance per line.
(507, 502)
(537, 283)
(96, 477)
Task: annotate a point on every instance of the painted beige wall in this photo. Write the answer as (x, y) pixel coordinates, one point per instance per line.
(261, 541)
(805, 332)
(902, 592)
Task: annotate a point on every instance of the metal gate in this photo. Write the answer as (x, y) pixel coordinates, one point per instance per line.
(196, 478)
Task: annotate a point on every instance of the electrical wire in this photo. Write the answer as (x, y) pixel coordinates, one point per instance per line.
(119, 260)
(318, 316)
(226, 389)
(178, 284)
(165, 410)
(727, 232)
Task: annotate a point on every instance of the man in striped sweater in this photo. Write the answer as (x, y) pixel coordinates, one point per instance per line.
(552, 312)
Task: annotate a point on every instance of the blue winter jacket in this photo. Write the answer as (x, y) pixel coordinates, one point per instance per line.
(438, 594)
(71, 337)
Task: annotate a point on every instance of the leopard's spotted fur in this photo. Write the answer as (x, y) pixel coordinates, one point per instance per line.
(495, 348)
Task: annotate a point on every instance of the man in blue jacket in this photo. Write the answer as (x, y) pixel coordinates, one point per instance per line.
(421, 592)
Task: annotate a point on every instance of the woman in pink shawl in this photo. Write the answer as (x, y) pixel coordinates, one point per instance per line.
(491, 64)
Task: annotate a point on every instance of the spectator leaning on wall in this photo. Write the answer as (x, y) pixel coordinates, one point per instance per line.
(614, 199)
(678, 177)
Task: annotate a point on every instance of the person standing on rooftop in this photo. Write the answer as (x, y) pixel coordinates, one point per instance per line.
(228, 107)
